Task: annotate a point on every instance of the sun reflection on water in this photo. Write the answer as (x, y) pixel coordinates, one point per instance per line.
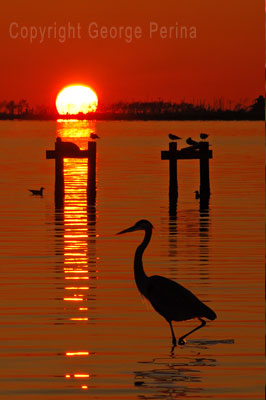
(76, 227)
(71, 129)
(79, 234)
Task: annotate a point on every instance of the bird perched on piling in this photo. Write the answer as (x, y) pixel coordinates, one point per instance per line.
(37, 192)
(174, 137)
(192, 142)
(94, 136)
(197, 194)
(203, 136)
(171, 300)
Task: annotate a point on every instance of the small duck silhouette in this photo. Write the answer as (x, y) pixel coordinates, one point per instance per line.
(203, 136)
(37, 192)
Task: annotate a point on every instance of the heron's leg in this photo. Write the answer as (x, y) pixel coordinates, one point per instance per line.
(173, 334)
(181, 340)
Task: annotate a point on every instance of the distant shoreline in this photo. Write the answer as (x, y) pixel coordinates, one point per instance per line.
(208, 116)
(141, 111)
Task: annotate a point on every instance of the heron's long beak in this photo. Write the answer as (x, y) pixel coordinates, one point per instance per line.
(131, 229)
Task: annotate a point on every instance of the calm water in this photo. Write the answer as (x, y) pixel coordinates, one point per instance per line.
(73, 324)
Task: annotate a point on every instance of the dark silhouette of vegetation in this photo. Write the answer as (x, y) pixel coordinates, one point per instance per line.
(13, 109)
(152, 110)
(258, 106)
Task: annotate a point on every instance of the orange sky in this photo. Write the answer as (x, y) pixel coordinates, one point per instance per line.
(225, 60)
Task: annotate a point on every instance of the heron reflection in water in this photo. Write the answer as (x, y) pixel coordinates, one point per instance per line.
(168, 298)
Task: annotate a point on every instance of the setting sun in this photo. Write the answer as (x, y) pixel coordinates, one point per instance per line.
(76, 99)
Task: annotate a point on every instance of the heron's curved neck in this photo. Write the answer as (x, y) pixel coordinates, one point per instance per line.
(140, 276)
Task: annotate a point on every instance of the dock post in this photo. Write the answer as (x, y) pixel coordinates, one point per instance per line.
(204, 170)
(91, 186)
(173, 185)
(199, 151)
(59, 170)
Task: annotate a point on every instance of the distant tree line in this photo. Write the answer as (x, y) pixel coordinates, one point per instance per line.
(13, 108)
(153, 110)
(184, 109)
(22, 110)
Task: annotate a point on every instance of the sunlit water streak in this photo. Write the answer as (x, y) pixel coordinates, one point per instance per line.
(72, 321)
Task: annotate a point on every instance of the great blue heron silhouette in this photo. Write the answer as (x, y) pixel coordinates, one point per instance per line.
(170, 299)
(37, 192)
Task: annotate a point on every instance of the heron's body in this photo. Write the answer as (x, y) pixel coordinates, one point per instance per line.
(174, 137)
(37, 192)
(173, 301)
(170, 299)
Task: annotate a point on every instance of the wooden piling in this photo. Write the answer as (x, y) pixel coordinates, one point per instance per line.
(173, 184)
(204, 170)
(59, 170)
(71, 150)
(91, 186)
(199, 151)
